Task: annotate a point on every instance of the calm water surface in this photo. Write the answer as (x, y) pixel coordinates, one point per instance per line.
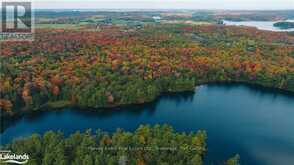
(262, 25)
(254, 122)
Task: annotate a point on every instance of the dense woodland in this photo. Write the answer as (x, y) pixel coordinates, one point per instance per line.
(146, 146)
(116, 65)
(104, 65)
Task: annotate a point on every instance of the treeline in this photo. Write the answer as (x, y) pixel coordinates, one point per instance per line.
(112, 67)
(145, 146)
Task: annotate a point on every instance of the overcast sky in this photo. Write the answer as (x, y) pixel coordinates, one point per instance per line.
(165, 4)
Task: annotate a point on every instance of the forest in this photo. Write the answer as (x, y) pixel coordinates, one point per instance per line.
(145, 146)
(118, 65)
(99, 60)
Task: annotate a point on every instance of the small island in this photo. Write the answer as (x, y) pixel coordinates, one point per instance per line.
(284, 25)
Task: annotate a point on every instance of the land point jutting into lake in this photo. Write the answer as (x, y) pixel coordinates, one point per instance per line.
(213, 85)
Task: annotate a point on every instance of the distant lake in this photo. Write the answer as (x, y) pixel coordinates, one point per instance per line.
(262, 25)
(255, 122)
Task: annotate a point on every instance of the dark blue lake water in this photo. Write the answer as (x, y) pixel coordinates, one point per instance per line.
(254, 122)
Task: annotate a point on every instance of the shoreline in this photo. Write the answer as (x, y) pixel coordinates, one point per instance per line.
(60, 105)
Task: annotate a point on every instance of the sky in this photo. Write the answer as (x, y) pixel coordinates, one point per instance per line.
(166, 4)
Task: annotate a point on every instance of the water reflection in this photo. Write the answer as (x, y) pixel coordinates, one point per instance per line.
(252, 121)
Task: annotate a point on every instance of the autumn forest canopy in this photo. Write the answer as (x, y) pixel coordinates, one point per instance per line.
(115, 65)
(104, 59)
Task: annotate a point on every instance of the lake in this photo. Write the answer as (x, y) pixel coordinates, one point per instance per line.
(262, 25)
(255, 122)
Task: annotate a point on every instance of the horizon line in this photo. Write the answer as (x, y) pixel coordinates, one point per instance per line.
(159, 9)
